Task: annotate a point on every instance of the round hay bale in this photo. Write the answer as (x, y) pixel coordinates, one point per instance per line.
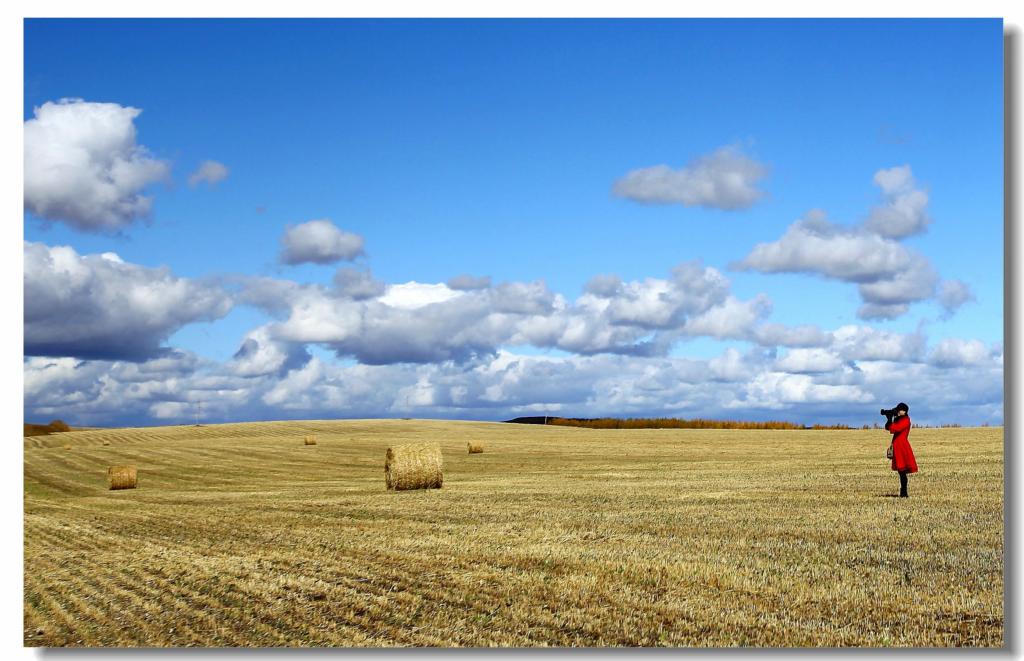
(414, 466)
(475, 448)
(67, 446)
(311, 440)
(106, 442)
(122, 477)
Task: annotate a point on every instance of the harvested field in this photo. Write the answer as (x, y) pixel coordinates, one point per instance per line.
(555, 536)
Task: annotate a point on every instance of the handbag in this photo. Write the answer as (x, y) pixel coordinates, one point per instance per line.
(888, 453)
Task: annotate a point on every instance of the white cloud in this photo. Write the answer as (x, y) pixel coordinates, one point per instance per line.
(654, 303)
(866, 343)
(814, 245)
(412, 295)
(502, 385)
(209, 171)
(98, 306)
(953, 294)
(466, 282)
(357, 284)
(293, 391)
(882, 311)
(955, 352)
(808, 361)
(773, 334)
(889, 276)
(319, 242)
(94, 391)
(778, 390)
(888, 298)
(904, 206)
(172, 410)
(431, 322)
(261, 354)
(83, 166)
(605, 285)
(725, 179)
(732, 318)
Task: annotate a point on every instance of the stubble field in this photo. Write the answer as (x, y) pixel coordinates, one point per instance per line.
(241, 535)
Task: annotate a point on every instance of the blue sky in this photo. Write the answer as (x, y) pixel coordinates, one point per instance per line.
(499, 148)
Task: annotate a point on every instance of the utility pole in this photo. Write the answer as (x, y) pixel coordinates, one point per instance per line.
(199, 410)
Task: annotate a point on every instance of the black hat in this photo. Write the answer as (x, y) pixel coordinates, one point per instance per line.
(902, 407)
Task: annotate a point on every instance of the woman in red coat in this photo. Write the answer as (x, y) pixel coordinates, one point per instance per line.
(903, 461)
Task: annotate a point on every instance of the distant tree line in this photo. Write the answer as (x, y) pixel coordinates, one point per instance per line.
(680, 423)
(694, 423)
(42, 430)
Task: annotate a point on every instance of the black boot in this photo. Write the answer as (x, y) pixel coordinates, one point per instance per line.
(903, 485)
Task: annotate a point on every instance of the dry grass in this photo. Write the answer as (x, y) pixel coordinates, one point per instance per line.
(474, 448)
(310, 440)
(414, 466)
(122, 477)
(563, 536)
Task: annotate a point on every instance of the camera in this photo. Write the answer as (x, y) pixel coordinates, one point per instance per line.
(894, 411)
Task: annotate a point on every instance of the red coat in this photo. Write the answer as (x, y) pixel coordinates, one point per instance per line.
(902, 453)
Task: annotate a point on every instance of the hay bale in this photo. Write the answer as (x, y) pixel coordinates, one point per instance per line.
(67, 446)
(311, 440)
(475, 448)
(106, 442)
(413, 466)
(122, 477)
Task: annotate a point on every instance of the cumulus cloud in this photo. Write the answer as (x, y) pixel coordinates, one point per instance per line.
(466, 282)
(774, 334)
(889, 276)
(752, 385)
(725, 179)
(890, 297)
(815, 245)
(731, 319)
(780, 390)
(854, 342)
(904, 208)
(952, 295)
(955, 352)
(604, 285)
(102, 391)
(432, 322)
(209, 171)
(413, 295)
(808, 361)
(98, 306)
(319, 242)
(261, 354)
(83, 166)
(358, 284)
(654, 303)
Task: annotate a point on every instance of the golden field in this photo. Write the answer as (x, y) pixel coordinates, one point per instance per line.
(241, 535)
